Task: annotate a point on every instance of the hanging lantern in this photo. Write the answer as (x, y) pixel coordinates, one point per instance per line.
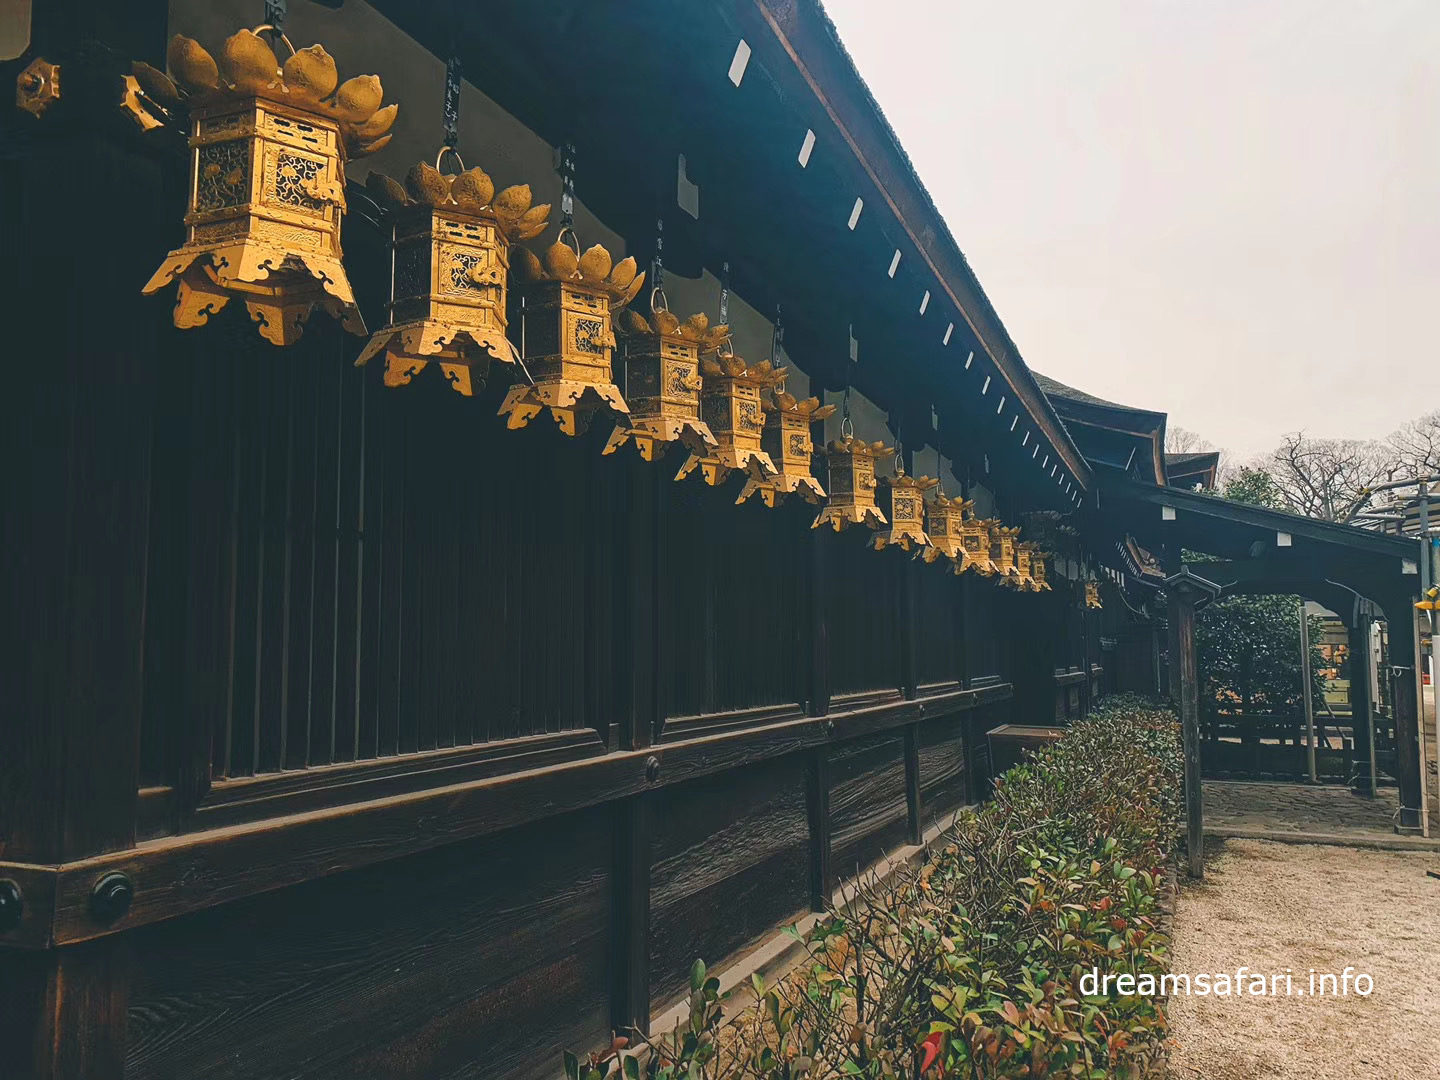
(907, 511)
(1038, 568)
(945, 525)
(1092, 595)
(1024, 562)
(1002, 552)
(975, 545)
(662, 382)
(450, 264)
(268, 147)
(730, 406)
(787, 440)
(851, 465)
(565, 333)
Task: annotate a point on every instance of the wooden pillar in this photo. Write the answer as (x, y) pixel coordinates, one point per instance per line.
(88, 216)
(818, 809)
(909, 610)
(1361, 720)
(1400, 617)
(630, 915)
(912, 783)
(1182, 613)
(1172, 647)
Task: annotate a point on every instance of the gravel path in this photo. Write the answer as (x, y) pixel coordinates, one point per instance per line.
(1274, 906)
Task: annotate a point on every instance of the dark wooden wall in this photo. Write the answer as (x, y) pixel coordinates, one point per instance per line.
(427, 747)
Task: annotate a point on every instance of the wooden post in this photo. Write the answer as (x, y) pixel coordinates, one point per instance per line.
(912, 782)
(1305, 693)
(1362, 723)
(1400, 623)
(630, 919)
(1182, 609)
(818, 807)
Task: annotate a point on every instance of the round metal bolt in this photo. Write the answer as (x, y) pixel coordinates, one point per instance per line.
(11, 905)
(652, 768)
(111, 896)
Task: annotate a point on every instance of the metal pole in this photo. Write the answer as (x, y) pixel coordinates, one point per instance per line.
(1305, 691)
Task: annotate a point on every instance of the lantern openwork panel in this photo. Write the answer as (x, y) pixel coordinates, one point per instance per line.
(566, 338)
(569, 350)
(788, 442)
(662, 383)
(448, 302)
(1024, 567)
(850, 465)
(907, 513)
(975, 545)
(1092, 595)
(1002, 552)
(945, 525)
(267, 185)
(730, 406)
(1038, 569)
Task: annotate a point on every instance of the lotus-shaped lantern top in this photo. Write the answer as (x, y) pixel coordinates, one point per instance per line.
(470, 192)
(592, 268)
(809, 409)
(248, 67)
(696, 330)
(859, 447)
(728, 365)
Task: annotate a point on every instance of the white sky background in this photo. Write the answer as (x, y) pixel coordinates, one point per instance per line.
(1226, 210)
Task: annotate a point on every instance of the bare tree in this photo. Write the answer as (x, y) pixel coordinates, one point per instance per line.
(1415, 447)
(1179, 440)
(1322, 478)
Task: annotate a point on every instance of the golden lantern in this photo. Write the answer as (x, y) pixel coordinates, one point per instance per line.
(907, 512)
(975, 546)
(1037, 570)
(1024, 561)
(565, 332)
(450, 264)
(730, 405)
(1002, 552)
(268, 147)
(787, 440)
(851, 465)
(945, 524)
(1092, 595)
(662, 382)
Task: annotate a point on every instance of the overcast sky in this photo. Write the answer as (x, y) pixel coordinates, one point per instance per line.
(1228, 211)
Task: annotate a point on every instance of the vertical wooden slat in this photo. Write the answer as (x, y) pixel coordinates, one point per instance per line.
(630, 924)
(390, 567)
(817, 796)
(363, 673)
(300, 541)
(327, 729)
(912, 783)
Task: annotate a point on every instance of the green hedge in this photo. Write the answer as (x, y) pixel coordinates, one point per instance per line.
(972, 965)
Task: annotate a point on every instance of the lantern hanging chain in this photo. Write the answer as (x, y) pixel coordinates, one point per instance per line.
(658, 303)
(847, 427)
(724, 293)
(777, 337)
(450, 113)
(275, 12)
(566, 169)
